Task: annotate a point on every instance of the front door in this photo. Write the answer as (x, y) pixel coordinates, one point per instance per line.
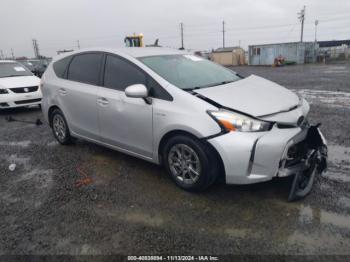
(125, 122)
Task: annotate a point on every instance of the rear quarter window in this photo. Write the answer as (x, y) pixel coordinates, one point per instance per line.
(60, 67)
(85, 68)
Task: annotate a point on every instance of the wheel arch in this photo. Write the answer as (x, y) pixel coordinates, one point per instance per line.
(212, 149)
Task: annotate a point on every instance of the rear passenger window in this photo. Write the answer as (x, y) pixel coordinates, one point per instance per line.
(60, 66)
(85, 68)
(119, 74)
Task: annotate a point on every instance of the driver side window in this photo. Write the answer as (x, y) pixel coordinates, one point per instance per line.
(120, 74)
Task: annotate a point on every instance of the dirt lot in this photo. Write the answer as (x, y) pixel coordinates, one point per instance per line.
(132, 207)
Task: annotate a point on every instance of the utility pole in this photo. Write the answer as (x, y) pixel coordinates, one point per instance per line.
(223, 34)
(1, 54)
(36, 48)
(12, 54)
(78, 44)
(182, 36)
(316, 24)
(302, 18)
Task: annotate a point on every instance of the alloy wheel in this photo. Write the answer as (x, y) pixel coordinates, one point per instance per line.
(59, 127)
(184, 163)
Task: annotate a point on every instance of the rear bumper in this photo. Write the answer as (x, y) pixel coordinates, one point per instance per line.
(260, 156)
(12, 100)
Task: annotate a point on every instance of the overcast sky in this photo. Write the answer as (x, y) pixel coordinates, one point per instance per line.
(58, 24)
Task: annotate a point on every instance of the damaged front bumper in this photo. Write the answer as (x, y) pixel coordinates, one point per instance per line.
(253, 157)
(305, 160)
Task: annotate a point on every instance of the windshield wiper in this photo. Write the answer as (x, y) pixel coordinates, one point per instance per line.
(211, 85)
(193, 88)
(224, 83)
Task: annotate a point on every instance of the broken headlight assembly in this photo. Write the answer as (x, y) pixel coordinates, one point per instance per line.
(232, 121)
(3, 91)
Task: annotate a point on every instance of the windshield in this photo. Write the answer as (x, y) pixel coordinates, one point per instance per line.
(13, 69)
(189, 72)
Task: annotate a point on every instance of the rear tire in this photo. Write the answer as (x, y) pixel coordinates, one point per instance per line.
(60, 128)
(191, 164)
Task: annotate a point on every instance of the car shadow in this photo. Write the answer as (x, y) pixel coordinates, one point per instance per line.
(19, 110)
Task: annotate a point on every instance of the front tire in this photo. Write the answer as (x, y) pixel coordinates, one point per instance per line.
(60, 128)
(191, 164)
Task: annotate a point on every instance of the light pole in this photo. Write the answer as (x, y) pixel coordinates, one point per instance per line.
(316, 23)
(302, 19)
(316, 51)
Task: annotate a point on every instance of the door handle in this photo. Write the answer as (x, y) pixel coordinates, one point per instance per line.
(102, 101)
(62, 91)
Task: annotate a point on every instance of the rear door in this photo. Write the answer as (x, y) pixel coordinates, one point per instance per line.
(124, 122)
(79, 93)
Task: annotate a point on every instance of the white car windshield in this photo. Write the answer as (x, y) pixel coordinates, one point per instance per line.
(189, 72)
(13, 70)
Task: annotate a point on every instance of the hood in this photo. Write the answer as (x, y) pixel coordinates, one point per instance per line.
(19, 81)
(253, 95)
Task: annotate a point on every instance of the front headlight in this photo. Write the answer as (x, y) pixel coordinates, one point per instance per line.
(232, 121)
(3, 91)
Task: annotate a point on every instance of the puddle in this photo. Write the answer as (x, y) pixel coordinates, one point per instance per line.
(144, 218)
(328, 98)
(135, 217)
(336, 69)
(308, 214)
(25, 143)
(337, 176)
(321, 242)
(38, 184)
(18, 160)
(40, 176)
(339, 163)
(339, 154)
(238, 233)
(52, 143)
(344, 201)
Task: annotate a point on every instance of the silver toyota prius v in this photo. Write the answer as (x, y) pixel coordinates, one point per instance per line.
(199, 119)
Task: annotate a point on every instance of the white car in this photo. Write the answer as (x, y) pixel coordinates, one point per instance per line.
(18, 86)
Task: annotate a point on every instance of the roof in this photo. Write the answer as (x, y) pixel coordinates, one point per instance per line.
(7, 61)
(131, 51)
(226, 49)
(287, 43)
(333, 43)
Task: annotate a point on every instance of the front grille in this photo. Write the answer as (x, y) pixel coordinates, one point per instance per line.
(4, 105)
(27, 101)
(304, 124)
(28, 89)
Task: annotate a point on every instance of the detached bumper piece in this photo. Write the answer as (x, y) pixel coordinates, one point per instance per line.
(306, 160)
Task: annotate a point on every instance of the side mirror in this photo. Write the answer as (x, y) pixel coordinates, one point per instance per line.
(136, 91)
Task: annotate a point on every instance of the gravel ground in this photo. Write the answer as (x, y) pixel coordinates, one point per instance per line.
(132, 207)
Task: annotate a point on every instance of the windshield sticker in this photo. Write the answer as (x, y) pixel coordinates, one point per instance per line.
(19, 69)
(193, 58)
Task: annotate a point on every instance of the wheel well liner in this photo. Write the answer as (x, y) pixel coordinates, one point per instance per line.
(52, 108)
